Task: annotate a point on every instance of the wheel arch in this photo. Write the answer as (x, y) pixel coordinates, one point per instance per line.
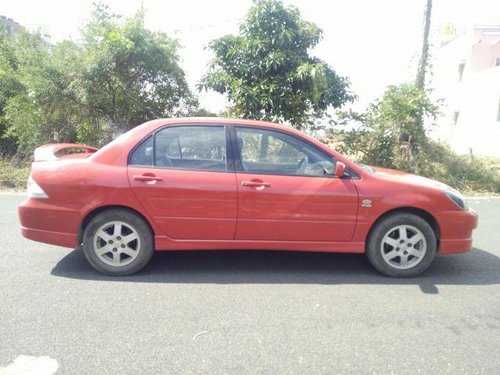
(429, 218)
(96, 211)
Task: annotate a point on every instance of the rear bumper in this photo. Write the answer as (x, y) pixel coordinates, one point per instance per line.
(44, 222)
(53, 238)
(456, 231)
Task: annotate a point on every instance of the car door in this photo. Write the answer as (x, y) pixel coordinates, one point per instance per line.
(286, 191)
(180, 175)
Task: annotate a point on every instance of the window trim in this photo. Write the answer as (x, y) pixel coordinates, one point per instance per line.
(239, 165)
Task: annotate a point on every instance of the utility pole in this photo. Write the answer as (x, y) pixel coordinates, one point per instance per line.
(424, 56)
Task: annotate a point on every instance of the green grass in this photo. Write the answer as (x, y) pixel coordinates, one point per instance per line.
(472, 175)
(13, 174)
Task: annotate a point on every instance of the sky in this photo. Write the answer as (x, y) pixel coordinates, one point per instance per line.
(374, 43)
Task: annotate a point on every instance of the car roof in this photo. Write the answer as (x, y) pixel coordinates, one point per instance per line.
(211, 120)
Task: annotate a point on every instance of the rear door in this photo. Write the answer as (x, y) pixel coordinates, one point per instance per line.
(286, 191)
(182, 178)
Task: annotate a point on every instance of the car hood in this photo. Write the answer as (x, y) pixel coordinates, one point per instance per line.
(408, 179)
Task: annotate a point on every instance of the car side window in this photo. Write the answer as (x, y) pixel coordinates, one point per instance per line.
(273, 152)
(143, 155)
(184, 147)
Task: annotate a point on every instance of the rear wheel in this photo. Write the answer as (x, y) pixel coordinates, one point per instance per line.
(402, 245)
(118, 242)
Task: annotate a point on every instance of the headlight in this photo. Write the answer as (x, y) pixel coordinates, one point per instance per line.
(34, 190)
(457, 198)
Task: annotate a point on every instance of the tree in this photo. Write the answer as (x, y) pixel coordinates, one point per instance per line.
(267, 72)
(390, 134)
(46, 108)
(10, 86)
(119, 76)
(393, 132)
(131, 74)
(203, 112)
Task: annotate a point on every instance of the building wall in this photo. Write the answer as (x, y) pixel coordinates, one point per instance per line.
(485, 48)
(467, 79)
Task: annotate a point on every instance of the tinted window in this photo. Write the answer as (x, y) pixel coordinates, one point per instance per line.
(272, 152)
(143, 155)
(184, 147)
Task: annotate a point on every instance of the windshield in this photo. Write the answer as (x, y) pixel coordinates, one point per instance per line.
(366, 168)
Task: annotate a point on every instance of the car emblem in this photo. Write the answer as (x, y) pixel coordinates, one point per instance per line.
(366, 203)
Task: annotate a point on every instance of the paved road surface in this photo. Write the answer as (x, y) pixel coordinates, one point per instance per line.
(249, 312)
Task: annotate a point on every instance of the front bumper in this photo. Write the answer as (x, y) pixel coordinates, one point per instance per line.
(456, 231)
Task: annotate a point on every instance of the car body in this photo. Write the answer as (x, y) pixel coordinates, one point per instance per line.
(211, 183)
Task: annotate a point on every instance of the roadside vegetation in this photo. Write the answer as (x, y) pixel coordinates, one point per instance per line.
(119, 74)
(388, 134)
(13, 174)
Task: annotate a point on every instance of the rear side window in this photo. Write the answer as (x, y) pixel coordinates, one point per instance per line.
(143, 155)
(185, 147)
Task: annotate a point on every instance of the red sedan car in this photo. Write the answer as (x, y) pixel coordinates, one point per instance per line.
(198, 183)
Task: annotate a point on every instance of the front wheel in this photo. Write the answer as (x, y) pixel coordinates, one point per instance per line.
(401, 245)
(118, 242)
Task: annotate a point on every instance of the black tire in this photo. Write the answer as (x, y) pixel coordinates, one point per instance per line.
(401, 245)
(118, 242)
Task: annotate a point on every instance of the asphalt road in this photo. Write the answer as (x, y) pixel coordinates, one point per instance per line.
(249, 312)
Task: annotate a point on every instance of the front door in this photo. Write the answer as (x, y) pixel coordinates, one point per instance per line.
(286, 191)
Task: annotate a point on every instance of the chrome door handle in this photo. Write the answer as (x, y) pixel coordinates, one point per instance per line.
(146, 178)
(255, 184)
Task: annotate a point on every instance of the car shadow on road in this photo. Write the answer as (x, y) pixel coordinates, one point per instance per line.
(477, 267)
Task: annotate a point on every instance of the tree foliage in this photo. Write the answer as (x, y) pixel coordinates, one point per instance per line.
(389, 133)
(118, 75)
(267, 71)
(9, 87)
(47, 108)
(131, 74)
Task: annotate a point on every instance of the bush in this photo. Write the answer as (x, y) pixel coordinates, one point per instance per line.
(14, 173)
(463, 172)
(390, 132)
(466, 173)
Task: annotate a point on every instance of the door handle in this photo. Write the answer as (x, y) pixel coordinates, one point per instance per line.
(146, 178)
(257, 184)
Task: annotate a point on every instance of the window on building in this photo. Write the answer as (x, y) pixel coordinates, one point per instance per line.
(498, 111)
(461, 68)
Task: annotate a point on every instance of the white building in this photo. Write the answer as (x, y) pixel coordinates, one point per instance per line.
(467, 78)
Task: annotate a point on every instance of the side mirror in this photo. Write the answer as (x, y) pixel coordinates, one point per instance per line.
(339, 169)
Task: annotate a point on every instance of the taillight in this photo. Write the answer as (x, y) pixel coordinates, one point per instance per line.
(34, 190)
